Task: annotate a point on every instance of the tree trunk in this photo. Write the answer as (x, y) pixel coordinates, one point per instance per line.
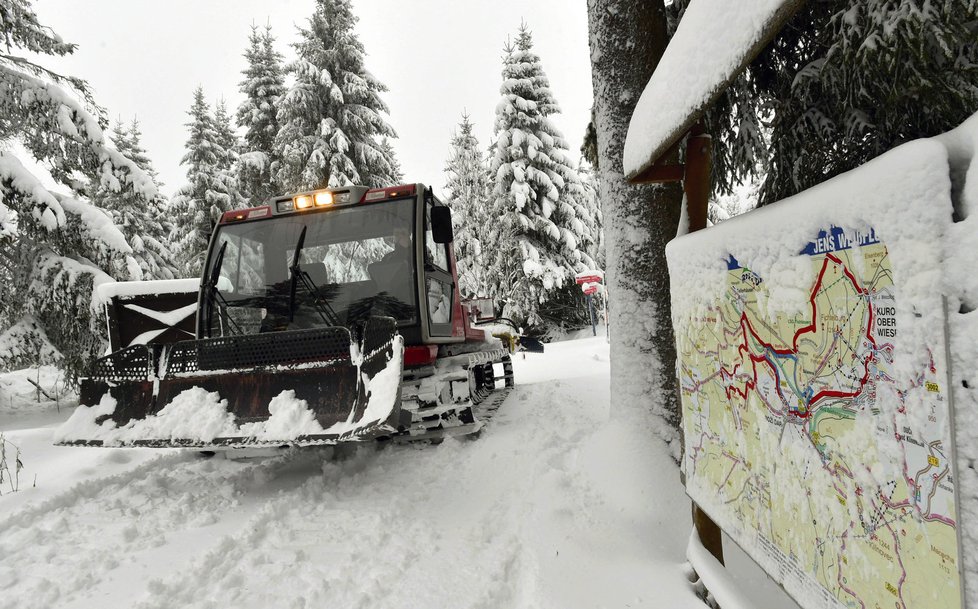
(627, 40)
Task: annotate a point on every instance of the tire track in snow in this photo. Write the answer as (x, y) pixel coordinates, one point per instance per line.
(444, 526)
(523, 516)
(364, 534)
(57, 553)
(86, 490)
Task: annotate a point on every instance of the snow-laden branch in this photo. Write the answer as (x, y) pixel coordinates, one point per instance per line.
(27, 97)
(17, 182)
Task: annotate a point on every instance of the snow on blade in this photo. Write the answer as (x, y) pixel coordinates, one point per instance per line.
(82, 425)
(198, 416)
(194, 414)
(713, 42)
(382, 393)
(291, 418)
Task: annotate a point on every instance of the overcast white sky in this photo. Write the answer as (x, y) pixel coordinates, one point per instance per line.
(438, 57)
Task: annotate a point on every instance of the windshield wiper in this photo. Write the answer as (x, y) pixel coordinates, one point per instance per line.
(296, 275)
(213, 294)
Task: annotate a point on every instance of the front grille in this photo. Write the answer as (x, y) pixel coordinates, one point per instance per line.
(274, 349)
(134, 363)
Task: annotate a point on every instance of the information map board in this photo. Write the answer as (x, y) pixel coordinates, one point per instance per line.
(810, 443)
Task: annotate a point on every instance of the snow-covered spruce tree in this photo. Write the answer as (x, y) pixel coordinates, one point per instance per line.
(592, 203)
(843, 82)
(330, 121)
(539, 240)
(396, 174)
(263, 85)
(54, 247)
(227, 154)
(627, 40)
(469, 195)
(156, 235)
(226, 138)
(209, 191)
(144, 223)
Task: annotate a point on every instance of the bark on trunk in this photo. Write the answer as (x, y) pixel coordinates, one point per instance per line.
(627, 38)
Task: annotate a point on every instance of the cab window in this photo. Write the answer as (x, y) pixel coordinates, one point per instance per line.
(435, 254)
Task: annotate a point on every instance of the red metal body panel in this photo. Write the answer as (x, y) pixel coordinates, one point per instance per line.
(461, 324)
(420, 355)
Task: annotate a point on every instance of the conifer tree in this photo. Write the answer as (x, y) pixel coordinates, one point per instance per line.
(537, 192)
(227, 154)
(54, 247)
(593, 213)
(330, 119)
(263, 85)
(843, 82)
(209, 191)
(144, 222)
(395, 175)
(470, 193)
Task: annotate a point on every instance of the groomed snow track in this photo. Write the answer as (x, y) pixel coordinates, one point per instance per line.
(557, 505)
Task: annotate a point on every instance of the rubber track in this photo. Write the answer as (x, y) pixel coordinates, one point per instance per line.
(456, 418)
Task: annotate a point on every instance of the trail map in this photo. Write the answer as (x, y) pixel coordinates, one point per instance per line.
(806, 448)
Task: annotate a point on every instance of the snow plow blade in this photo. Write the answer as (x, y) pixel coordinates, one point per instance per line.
(295, 388)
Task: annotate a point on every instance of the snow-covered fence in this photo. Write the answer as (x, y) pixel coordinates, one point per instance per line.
(828, 348)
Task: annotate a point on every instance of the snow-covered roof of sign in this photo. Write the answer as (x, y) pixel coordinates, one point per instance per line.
(715, 40)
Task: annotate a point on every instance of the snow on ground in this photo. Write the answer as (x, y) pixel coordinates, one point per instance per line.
(25, 393)
(559, 503)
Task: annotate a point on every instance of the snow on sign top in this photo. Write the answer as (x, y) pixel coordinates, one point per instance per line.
(107, 291)
(715, 40)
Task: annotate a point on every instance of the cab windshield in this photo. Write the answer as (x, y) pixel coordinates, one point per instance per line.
(352, 263)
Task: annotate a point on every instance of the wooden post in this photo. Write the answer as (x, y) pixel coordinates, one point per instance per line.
(697, 186)
(696, 178)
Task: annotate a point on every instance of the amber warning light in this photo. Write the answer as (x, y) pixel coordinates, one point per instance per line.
(312, 200)
(323, 198)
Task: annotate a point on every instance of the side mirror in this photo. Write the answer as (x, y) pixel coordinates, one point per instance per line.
(481, 310)
(441, 224)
